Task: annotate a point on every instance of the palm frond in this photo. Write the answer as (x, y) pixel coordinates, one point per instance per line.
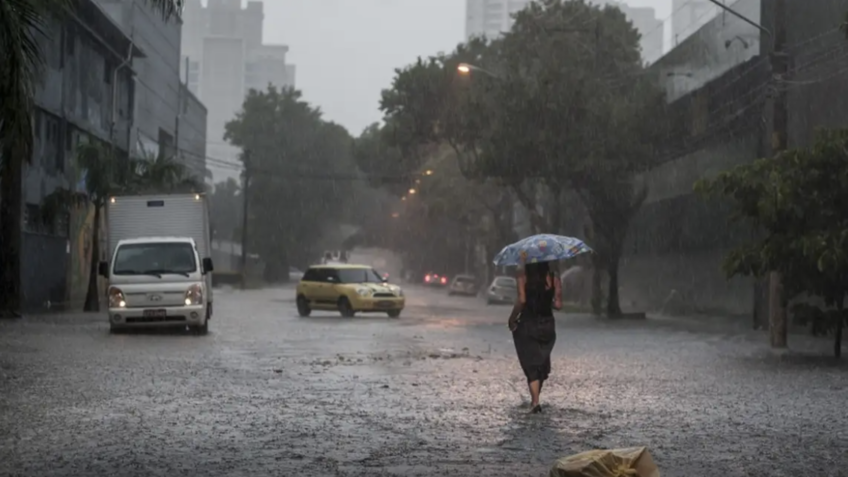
(59, 201)
(21, 21)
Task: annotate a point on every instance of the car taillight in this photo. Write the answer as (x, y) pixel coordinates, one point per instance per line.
(427, 278)
(444, 280)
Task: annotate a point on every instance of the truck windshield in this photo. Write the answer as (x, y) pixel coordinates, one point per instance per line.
(155, 259)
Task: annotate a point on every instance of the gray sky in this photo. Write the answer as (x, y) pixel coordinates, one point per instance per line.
(346, 50)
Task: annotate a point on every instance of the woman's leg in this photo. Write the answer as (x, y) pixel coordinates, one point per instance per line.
(535, 390)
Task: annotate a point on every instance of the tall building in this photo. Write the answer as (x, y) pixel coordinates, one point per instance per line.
(690, 15)
(223, 58)
(490, 18)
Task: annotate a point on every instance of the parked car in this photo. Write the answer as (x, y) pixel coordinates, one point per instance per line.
(295, 274)
(463, 285)
(350, 289)
(503, 290)
(435, 280)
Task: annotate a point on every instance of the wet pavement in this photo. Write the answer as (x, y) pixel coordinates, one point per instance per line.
(436, 392)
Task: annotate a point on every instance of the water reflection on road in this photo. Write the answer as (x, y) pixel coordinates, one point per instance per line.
(435, 392)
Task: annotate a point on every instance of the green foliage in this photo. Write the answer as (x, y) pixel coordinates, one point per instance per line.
(225, 206)
(302, 175)
(561, 101)
(799, 199)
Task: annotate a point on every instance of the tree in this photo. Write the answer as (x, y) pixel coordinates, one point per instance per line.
(107, 175)
(292, 195)
(22, 22)
(225, 205)
(561, 103)
(799, 201)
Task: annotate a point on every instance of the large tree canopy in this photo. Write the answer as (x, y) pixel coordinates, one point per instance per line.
(561, 102)
(301, 175)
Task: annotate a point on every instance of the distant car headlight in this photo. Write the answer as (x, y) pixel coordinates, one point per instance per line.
(194, 295)
(364, 291)
(116, 298)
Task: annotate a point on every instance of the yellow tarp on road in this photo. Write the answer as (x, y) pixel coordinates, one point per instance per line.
(630, 462)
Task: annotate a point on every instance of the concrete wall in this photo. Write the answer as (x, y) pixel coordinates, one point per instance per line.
(678, 240)
(817, 91)
(157, 75)
(710, 52)
(192, 134)
(74, 104)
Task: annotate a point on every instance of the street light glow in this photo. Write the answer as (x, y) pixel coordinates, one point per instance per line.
(464, 68)
(428, 172)
(411, 191)
(395, 215)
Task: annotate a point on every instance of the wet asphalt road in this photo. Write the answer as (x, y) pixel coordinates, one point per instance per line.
(437, 392)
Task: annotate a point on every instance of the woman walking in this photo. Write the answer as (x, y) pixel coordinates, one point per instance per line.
(532, 324)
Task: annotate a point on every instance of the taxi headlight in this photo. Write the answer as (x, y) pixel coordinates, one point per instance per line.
(116, 298)
(363, 292)
(194, 295)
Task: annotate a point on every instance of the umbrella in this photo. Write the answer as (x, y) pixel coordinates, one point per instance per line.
(541, 248)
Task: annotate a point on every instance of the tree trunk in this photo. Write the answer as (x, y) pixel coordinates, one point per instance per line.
(613, 303)
(837, 333)
(616, 246)
(11, 222)
(92, 296)
(777, 312)
(597, 292)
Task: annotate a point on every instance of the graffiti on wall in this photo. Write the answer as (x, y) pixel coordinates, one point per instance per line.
(80, 248)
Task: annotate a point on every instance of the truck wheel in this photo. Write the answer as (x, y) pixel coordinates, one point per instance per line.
(303, 306)
(201, 330)
(345, 308)
(393, 313)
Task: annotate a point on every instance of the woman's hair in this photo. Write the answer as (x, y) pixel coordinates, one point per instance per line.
(537, 271)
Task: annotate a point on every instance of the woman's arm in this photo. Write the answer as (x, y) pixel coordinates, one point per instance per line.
(557, 293)
(519, 303)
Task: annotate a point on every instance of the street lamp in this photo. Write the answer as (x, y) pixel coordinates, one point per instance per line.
(467, 68)
(412, 191)
(428, 172)
(395, 215)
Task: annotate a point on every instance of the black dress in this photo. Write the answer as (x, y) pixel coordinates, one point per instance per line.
(535, 335)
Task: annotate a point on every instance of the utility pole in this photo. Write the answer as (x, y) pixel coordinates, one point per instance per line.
(776, 140)
(246, 156)
(780, 124)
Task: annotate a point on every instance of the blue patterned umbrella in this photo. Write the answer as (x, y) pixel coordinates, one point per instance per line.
(541, 248)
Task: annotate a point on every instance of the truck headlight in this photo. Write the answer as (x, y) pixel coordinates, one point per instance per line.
(194, 295)
(363, 291)
(116, 298)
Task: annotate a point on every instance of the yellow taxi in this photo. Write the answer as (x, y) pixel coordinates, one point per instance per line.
(350, 289)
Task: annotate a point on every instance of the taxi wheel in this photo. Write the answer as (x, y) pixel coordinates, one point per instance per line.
(303, 306)
(393, 313)
(345, 308)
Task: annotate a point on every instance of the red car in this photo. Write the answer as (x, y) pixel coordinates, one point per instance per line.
(435, 280)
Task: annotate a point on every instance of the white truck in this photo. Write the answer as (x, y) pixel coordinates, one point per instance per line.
(160, 272)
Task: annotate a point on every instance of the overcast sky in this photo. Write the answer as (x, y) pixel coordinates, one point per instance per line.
(346, 50)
